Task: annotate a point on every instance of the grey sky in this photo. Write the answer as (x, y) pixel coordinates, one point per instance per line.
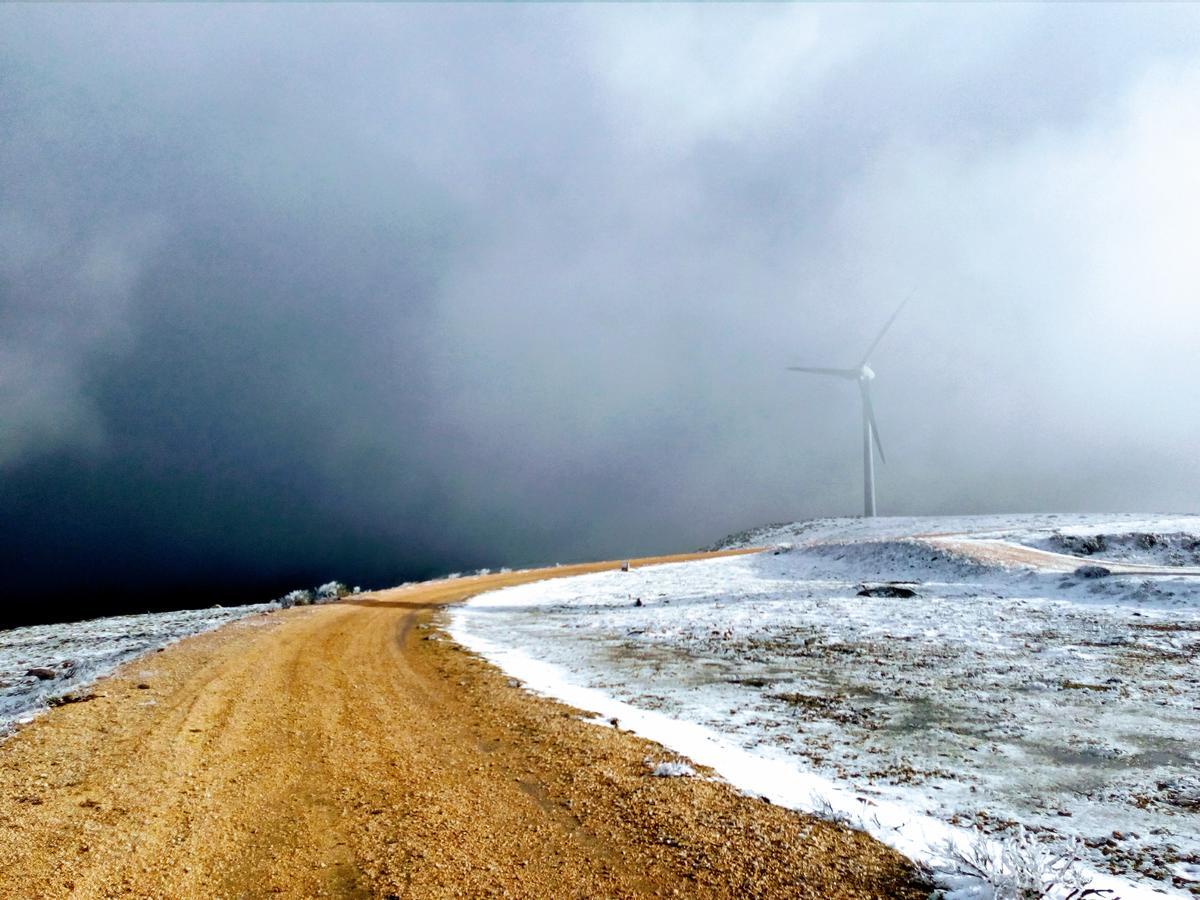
(288, 285)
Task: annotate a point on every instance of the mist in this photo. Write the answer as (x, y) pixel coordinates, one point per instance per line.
(378, 292)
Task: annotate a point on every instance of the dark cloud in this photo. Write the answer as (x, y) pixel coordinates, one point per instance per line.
(290, 293)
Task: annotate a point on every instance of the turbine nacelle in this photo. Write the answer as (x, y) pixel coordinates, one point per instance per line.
(866, 373)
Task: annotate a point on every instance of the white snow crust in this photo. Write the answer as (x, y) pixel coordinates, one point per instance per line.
(999, 705)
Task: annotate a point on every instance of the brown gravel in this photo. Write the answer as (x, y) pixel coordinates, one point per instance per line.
(332, 751)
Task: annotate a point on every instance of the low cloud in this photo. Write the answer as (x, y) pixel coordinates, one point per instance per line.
(68, 289)
(375, 291)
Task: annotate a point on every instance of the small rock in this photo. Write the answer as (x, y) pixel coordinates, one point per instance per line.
(44, 673)
(72, 697)
(142, 686)
(887, 589)
(1090, 571)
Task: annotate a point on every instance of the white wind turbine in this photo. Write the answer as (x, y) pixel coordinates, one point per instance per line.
(864, 376)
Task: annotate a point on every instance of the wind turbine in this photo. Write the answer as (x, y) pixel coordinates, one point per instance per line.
(864, 375)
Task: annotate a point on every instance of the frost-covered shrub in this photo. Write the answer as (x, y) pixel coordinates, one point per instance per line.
(296, 598)
(326, 593)
(1015, 867)
(332, 590)
(821, 808)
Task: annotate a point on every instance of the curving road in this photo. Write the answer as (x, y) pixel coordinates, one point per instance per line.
(335, 751)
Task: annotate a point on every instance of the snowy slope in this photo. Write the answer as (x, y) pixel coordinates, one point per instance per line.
(995, 698)
(1022, 528)
(78, 653)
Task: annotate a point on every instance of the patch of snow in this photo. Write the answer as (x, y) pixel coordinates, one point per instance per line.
(1187, 871)
(670, 769)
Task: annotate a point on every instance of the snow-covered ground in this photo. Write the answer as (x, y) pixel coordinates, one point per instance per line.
(1158, 547)
(72, 656)
(998, 700)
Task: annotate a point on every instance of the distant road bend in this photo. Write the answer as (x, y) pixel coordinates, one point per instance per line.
(1009, 553)
(333, 751)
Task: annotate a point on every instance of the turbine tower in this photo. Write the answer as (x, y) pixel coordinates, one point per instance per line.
(864, 376)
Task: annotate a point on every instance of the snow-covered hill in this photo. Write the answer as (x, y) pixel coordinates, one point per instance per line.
(973, 698)
(1029, 528)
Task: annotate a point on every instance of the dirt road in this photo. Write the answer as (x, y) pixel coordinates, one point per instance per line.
(335, 751)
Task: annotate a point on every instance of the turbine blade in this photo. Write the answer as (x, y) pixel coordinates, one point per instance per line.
(886, 326)
(866, 397)
(851, 374)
